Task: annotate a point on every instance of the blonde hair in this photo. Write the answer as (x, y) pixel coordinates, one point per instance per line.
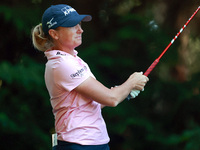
(41, 41)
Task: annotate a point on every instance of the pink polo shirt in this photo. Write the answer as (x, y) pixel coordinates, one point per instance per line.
(78, 119)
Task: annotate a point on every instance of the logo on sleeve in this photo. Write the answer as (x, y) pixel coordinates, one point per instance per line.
(79, 73)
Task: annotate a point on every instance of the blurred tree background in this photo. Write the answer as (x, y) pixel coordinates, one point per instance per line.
(124, 36)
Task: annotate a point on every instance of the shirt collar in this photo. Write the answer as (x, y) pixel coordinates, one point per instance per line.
(54, 53)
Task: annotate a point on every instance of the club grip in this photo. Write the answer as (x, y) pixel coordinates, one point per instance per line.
(148, 71)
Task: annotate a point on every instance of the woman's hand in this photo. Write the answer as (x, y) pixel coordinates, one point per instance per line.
(137, 81)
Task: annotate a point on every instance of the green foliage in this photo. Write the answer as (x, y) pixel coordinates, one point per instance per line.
(23, 18)
(25, 109)
(168, 119)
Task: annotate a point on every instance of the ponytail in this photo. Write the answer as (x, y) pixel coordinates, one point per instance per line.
(40, 40)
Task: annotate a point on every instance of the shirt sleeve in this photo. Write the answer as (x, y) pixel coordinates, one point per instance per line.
(70, 73)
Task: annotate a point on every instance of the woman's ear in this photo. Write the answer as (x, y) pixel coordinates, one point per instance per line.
(53, 34)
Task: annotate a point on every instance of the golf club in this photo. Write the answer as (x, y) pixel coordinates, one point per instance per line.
(134, 93)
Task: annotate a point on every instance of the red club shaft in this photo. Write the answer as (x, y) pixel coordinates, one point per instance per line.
(152, 66)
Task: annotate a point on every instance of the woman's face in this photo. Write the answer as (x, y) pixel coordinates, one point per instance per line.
(68, 37)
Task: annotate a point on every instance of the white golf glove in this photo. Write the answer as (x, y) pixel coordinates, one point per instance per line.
(134, 94)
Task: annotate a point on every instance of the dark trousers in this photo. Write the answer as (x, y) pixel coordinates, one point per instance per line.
(62, 145)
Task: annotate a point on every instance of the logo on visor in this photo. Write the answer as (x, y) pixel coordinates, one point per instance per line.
(67, 10)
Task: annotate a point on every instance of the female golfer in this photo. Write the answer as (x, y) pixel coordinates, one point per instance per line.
(76, 96)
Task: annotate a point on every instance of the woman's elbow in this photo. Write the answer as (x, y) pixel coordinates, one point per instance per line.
(113, 102)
